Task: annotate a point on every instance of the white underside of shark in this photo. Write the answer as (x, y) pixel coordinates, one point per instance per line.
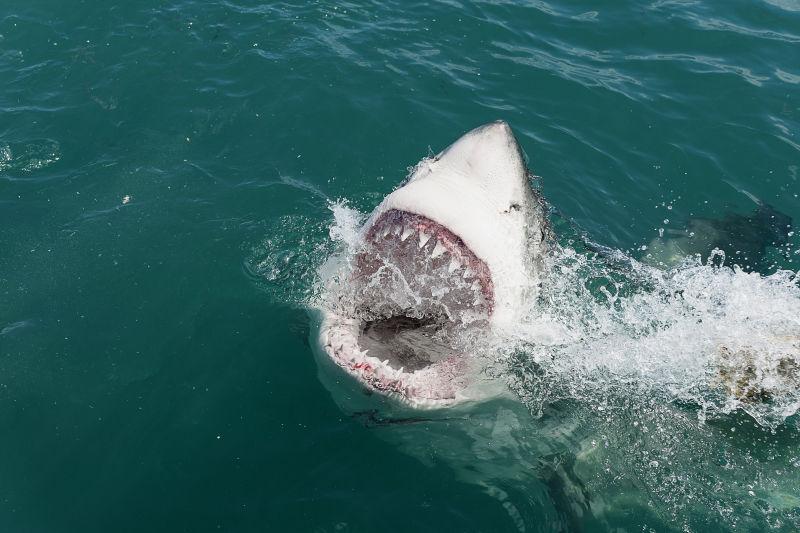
(458, 245)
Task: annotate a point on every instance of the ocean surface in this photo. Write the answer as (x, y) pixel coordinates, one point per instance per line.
(172, 174)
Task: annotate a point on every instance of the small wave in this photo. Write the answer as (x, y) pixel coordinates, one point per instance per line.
(29, 156)
(787, 77)
(787, 5)
(705, 64)
(580, 72)
(10, 328)
(717, 24)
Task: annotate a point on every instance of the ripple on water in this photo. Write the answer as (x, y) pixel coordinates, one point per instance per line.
(788, 5)
(19, 160)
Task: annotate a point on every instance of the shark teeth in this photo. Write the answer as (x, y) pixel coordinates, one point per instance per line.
(423, 238)
(453, 266)
(407, 231)
(438, 250)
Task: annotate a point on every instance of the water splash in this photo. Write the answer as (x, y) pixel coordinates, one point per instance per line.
(26, 158)
(285, 264)
(604, 327)
(717, 337)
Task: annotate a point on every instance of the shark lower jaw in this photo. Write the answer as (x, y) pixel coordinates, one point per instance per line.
(425, 383)
(418, 289)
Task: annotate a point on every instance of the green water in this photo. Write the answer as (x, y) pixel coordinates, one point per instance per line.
(166, 171)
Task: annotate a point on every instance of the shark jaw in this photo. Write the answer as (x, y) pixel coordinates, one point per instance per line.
(447, 256)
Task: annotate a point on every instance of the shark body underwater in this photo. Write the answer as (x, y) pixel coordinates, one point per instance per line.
(455, 249)
(743, 239)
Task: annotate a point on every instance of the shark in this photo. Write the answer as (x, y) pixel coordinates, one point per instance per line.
(460, 251)
(454, 252)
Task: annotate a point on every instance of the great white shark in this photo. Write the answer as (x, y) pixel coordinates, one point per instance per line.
(462, 247)
(458, 247)
(458, 251)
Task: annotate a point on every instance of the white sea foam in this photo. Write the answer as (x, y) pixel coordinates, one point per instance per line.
(346, 224)
(718, 337)
(607, 326)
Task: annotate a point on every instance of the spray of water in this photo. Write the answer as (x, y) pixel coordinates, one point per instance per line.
(608, 326)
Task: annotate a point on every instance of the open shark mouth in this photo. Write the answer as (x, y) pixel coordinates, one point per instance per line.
(417, 287)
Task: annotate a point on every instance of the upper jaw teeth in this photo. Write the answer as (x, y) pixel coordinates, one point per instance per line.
(423, 238)
(404, 230)
(453, 266)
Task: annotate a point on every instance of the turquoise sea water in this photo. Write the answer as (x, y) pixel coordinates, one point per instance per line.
(167, 176)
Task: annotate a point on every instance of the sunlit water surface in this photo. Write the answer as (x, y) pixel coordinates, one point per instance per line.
(173, 174)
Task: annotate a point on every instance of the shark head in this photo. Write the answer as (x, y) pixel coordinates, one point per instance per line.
(455, 248)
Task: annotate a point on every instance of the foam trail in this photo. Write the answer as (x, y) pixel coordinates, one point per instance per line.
(698, 333)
